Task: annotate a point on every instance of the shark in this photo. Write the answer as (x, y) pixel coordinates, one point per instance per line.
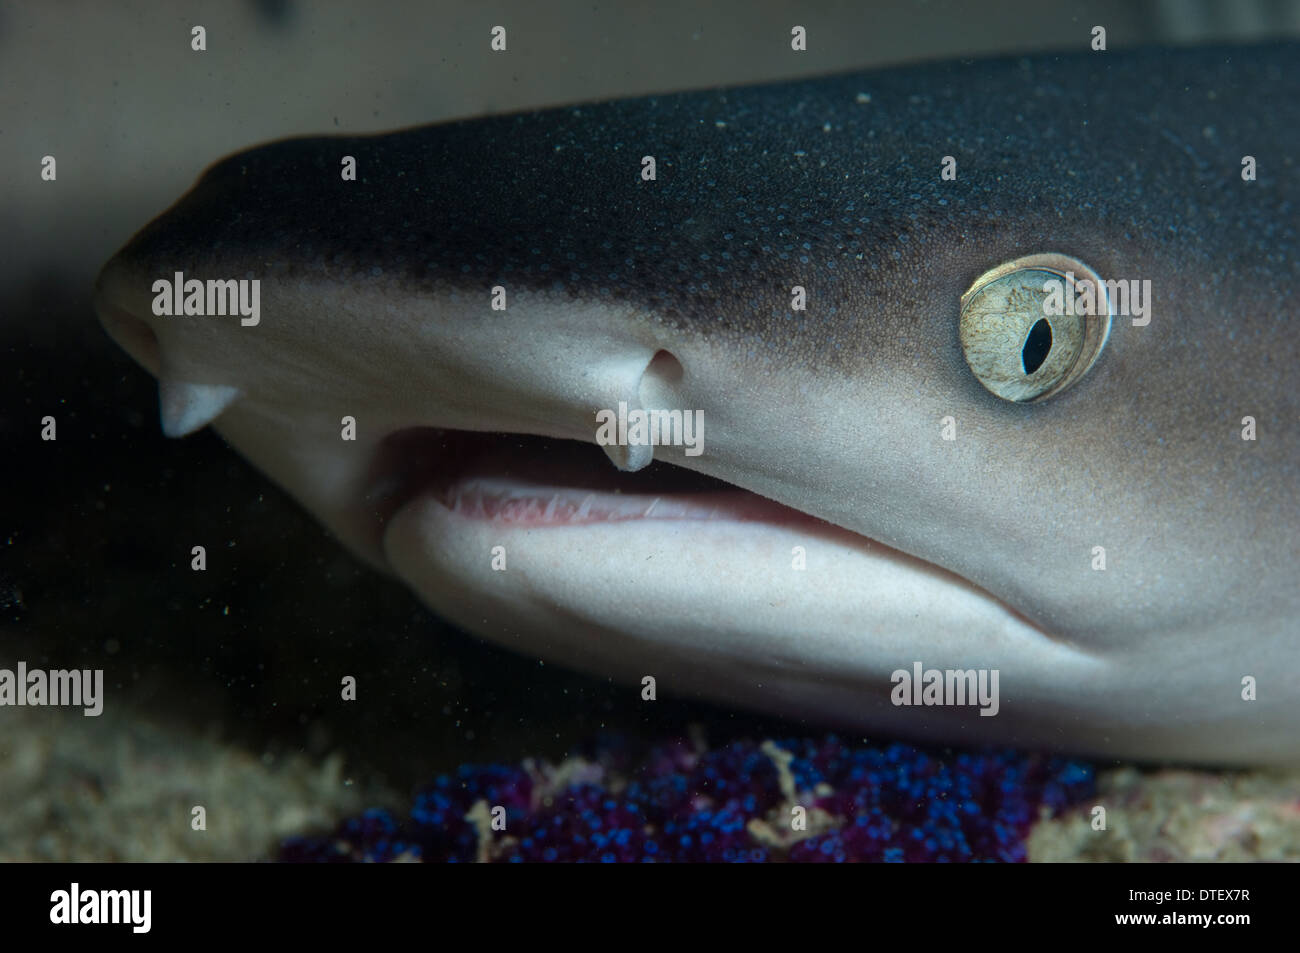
(447, 313)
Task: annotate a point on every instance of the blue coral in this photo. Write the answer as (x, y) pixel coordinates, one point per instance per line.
(889, 803)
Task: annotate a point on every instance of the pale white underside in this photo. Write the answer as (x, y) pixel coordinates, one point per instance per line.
(1123, 663)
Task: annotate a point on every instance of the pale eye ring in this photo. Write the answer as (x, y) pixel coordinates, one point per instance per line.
(1034, 326)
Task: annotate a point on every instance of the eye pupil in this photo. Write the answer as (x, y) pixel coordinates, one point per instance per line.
(1037, 346)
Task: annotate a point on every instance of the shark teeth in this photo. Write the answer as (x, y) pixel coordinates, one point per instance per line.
(185, 408)
(506, 500)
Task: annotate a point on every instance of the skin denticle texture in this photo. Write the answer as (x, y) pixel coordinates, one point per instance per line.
(961, 529)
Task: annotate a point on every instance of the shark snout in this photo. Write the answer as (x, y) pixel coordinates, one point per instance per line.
(123, 316)
(127, 307)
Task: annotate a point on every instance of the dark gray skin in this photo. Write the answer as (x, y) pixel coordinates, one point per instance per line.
(1130, 162)
(1107, 154)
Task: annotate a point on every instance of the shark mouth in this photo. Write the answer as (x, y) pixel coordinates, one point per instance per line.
(520, 481)
(537, 482)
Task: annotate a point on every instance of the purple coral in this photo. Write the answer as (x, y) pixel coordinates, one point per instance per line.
(889, 802)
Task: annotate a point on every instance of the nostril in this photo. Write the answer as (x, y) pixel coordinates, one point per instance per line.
(665, 366)
(133, 335)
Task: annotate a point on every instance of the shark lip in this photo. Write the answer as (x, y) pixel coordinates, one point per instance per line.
(530, 482)
(539, 483)
(536, 482)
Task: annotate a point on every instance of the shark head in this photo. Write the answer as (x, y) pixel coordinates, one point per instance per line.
(441, 349)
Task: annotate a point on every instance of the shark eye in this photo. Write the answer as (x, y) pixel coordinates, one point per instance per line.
(1034, 326)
